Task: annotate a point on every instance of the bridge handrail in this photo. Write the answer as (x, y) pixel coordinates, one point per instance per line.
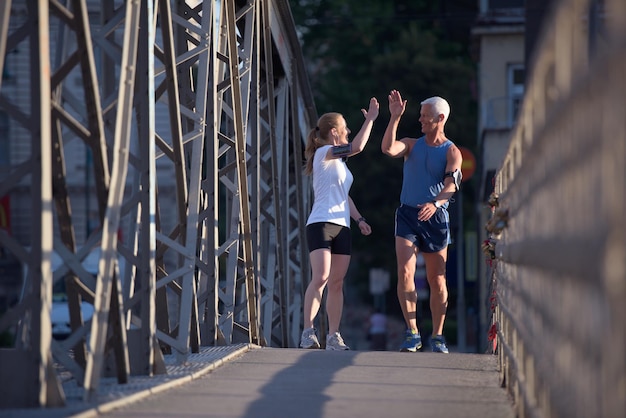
(558, 222)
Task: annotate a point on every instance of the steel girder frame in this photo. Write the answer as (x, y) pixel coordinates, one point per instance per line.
(246, 283)
(5, 12)
(293, 114)
(30, 360)
(70, 121)
(295, 117)
(64, 117)
(234, 260)
(222, 290)
(41, 117)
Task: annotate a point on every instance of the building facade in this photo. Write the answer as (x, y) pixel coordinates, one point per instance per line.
(498, 37)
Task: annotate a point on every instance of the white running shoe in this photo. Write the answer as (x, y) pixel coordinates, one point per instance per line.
(335, 342)
(309, 339)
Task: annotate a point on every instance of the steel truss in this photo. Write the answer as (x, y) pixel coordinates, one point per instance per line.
(193, 114)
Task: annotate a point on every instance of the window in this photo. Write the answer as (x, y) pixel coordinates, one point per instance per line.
(516, 77)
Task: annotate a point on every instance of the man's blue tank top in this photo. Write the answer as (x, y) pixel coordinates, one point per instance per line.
(423, 173)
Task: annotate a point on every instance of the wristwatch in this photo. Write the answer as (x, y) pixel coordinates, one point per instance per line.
(436, 203)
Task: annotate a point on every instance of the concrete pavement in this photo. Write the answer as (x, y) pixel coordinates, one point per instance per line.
(295, 383)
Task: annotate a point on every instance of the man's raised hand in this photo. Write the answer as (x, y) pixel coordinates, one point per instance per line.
(396, 104)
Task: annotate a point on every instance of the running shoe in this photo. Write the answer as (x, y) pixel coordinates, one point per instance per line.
(335, 342)
(412, 342)
(438, 344)
(309, 339)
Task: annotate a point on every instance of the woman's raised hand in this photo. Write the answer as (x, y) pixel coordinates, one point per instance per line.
(372, 112)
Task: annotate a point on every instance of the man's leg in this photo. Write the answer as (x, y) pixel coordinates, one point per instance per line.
(406, 257)
(436, 275)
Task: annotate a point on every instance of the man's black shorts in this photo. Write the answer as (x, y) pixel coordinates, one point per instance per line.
(428, 236)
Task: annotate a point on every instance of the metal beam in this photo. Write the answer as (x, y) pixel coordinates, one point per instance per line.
(179, 124)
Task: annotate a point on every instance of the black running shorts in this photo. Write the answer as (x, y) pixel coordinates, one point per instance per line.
(335, 237)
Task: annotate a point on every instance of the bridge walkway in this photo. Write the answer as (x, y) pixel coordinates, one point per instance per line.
(249, 381)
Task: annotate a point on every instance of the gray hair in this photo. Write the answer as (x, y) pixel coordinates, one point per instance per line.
(440, 105)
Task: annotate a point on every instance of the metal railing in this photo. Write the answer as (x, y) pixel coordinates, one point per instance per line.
(558, 226)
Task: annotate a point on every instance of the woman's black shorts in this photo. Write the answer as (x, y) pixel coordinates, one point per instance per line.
(335, 237)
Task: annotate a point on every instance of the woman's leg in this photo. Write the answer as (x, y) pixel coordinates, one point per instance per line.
(334, 299)
(320, 271)
(407, 297)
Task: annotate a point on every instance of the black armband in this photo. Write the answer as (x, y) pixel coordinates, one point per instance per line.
(341, 150)
(457, 176)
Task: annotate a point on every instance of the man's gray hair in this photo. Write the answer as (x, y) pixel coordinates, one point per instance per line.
(440, 105)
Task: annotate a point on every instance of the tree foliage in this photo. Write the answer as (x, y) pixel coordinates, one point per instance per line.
(356, 49)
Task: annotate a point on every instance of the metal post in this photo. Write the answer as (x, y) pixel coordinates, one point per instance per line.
(460, 279)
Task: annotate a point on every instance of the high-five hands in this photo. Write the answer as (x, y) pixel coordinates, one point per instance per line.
(396, 104)
(372, 112)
